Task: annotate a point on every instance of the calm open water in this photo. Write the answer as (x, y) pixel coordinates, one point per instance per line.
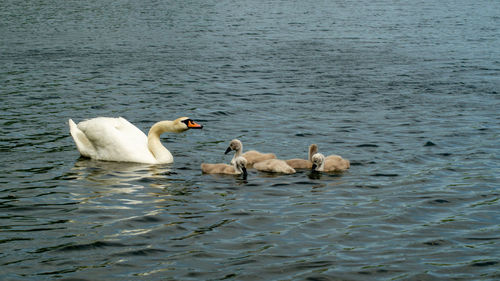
(407, 90)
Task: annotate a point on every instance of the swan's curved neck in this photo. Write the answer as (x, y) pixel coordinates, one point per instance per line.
(237, 154)
(161, 153)
(237, 168)
(313, 149)
(321, 167)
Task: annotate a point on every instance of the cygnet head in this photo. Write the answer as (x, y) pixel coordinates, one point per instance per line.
(234, 145)
(318, 161)
(240, 164)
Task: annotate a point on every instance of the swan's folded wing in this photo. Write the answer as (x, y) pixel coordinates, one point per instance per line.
(116, 139)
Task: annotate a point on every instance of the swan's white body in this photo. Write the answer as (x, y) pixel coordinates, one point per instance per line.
(116, 139)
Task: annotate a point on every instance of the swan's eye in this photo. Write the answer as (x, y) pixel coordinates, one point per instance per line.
(191, 124)
(188, 122)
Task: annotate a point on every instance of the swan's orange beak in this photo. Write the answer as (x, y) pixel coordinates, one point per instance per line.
(193, 125)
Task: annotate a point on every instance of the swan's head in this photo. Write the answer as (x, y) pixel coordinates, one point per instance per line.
(240, 164)
(179, 125)
(318, 161)
(185, 123)
(234, 145)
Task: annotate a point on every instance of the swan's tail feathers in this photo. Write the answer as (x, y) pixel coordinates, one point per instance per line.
(72, 125)
(83, 144)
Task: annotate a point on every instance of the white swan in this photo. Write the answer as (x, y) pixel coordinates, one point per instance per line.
(332, 163)
(252, 156)
(238, 168)
(116, 139)
(298, 163)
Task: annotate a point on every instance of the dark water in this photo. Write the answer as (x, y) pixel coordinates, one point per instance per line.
(407, 90)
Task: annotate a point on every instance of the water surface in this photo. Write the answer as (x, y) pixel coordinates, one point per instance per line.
(408, 91)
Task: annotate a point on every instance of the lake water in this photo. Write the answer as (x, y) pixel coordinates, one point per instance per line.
(407, 90)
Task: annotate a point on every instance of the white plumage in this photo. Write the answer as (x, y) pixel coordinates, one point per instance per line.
(116, 139)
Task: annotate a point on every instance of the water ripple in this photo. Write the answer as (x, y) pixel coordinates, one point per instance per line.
(407, 91)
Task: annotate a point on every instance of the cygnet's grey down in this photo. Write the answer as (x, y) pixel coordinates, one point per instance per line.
(252, 156)
(332, 163)
(298, 163)
(274, 166)
(237, 168)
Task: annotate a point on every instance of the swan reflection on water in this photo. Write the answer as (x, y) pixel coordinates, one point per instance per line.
(104, 177)
(118, 171)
